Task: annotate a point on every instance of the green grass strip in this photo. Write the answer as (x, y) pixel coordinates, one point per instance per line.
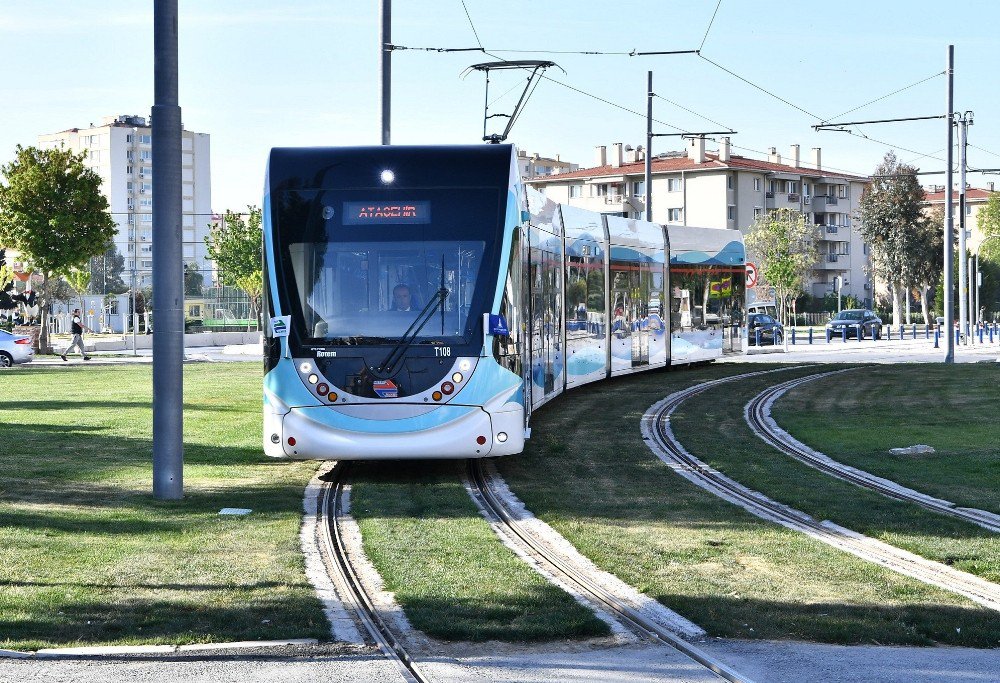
(446, 567)
(949, 407)
(588, 473)
(87, 556)
(703, 420)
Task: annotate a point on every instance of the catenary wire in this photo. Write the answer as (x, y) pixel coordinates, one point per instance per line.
(711, 21)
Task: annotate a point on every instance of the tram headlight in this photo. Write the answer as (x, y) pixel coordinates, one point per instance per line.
(464, 366)
(457, 377)
(387, 177)
(447, 388)
(305, 367)
(501, 437)
(313, 379)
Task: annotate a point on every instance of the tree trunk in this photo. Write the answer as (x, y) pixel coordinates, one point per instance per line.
(43, 316)
(906, 302)
(896, 291)
(924, 307)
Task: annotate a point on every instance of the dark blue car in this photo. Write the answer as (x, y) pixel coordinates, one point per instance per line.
(771, 331)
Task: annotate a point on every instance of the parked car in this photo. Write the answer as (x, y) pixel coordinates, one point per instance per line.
(15, 348)
(855, 320)
(771, 331)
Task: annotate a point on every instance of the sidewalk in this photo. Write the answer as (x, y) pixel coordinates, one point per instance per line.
(909, 350)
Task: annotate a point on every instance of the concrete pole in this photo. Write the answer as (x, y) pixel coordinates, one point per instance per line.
(168, 290)
(949, 220)
(385, 66)
(963, 272)
(972, 304)
(648, 177)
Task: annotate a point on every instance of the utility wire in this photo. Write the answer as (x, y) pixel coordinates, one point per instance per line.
(761, 88)
(702, 116)
(879, 99)
(712, 21)
(474, 32)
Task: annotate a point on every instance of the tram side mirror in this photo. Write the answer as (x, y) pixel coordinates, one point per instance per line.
(495, 325)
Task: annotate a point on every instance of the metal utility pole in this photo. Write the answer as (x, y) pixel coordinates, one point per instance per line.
(168, 290)
(963, 272)
(949, 219)
(648, 177)
(385, 65)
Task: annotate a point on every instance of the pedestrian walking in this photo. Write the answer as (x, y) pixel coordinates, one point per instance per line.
(78, 328)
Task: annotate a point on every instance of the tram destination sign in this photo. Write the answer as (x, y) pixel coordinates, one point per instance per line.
(387, 213)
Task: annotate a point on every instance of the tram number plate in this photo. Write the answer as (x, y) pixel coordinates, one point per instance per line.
(442, 350)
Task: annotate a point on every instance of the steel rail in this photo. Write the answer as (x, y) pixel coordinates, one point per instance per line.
(498, 509)
(330, 512)
(979, 590)
(757, 416)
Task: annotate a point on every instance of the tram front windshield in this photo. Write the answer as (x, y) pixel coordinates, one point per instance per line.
(362, 267)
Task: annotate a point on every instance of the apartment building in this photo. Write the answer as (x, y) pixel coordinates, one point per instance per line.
(975, 200)
(722, 189)
(120, 151)
(534, 165)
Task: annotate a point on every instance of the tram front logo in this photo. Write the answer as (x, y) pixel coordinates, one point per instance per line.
(385, 388)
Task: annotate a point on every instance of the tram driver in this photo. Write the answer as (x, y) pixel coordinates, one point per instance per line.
(402, 299)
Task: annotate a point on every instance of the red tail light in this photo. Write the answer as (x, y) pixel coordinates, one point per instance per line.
(23, 340)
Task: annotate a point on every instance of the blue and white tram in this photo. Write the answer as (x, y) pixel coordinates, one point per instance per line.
(422, 301)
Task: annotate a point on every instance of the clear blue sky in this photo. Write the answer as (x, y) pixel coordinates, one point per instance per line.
(260, 74)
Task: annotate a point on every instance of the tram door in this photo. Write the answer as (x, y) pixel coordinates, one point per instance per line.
(546, 323)
(629, 306)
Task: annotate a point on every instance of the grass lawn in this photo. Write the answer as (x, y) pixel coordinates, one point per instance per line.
(87, 556)
(588, 473)
(948, 407)
(449, 571)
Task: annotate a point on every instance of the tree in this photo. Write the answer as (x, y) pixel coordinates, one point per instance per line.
(988, 220)
(106, 272)
(53, 212)
(927, 253)
(79, 280)
(891, 223)
(236, 246)
(193, 280)
(782, 244)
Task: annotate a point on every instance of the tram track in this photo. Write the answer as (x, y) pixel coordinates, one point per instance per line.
(757, 414)
(333, 548)
(484, 491)
(660, 437)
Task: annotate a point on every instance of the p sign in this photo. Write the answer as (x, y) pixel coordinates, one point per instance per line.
(751, 275)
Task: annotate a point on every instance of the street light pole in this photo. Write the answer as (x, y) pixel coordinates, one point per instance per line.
(648, 176)
(964, 121)
(385, 64)
(949, 221)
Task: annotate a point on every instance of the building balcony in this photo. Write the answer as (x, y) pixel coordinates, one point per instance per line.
(831, 262)
(821, 200)
(793, 196)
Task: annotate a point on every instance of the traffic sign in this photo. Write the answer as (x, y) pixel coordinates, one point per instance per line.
(751, 275)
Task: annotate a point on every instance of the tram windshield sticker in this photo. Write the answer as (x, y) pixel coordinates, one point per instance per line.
(385, 388)
(387, 213)
(279, 325)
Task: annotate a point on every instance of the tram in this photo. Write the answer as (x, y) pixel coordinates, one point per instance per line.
(421, 301)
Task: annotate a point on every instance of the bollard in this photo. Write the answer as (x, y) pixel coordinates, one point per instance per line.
(937, 333)
(861, 332)
(914, 330)
(811, 335)
(958, 337)
(991, 334)
(980, 335)
(793, 336)
(927, 331)
(758, 337)
(888, 333)
(843, 333)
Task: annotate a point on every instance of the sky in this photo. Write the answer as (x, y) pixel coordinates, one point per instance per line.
(256, 75)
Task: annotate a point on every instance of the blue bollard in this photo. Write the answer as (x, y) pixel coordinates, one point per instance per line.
(937, 333)
(888, 333)
(958, 336)
(843, 333)
(758, 337)
(980, 335)
(991, 335)
(914, 330)
(927, 331)
(811, 335)
(861, 332)
(793, 336)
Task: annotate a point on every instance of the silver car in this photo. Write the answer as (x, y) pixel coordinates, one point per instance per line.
(15, 348)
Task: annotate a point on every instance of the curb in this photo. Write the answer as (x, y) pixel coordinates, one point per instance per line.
(119, 650)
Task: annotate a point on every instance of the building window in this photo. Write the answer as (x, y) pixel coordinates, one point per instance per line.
(729, 181)
(806, 189)
(575, 191)
(674, 185)
(128, 185)
(756, 184)
(638, 188)
(793, 186)
(128, 137)
(602, 190)
(968, 209)
(146, 218)
(757, 211)
(145, 154)
(731, 212)
(772, 185)
(674, 215)
(145, 139)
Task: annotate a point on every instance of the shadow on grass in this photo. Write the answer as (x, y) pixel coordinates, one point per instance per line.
(839, 623)
(115, 404)
(259, 614)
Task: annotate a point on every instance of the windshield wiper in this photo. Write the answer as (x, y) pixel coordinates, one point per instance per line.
(391, 361)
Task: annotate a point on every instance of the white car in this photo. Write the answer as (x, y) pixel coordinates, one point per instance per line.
(15, 348)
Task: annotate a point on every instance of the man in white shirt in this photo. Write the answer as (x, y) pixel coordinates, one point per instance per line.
(77, 330)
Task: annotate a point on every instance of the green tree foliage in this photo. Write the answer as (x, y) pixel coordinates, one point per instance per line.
(782, 244)
(107, 272)
(194, 281)
(893, 224)
(53, 212)
(79, 280)
(988, 220)
(236, 245)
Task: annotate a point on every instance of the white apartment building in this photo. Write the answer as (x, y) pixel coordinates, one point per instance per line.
(534, 165)
(725, 190)
(120, 151)
(975, 200)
